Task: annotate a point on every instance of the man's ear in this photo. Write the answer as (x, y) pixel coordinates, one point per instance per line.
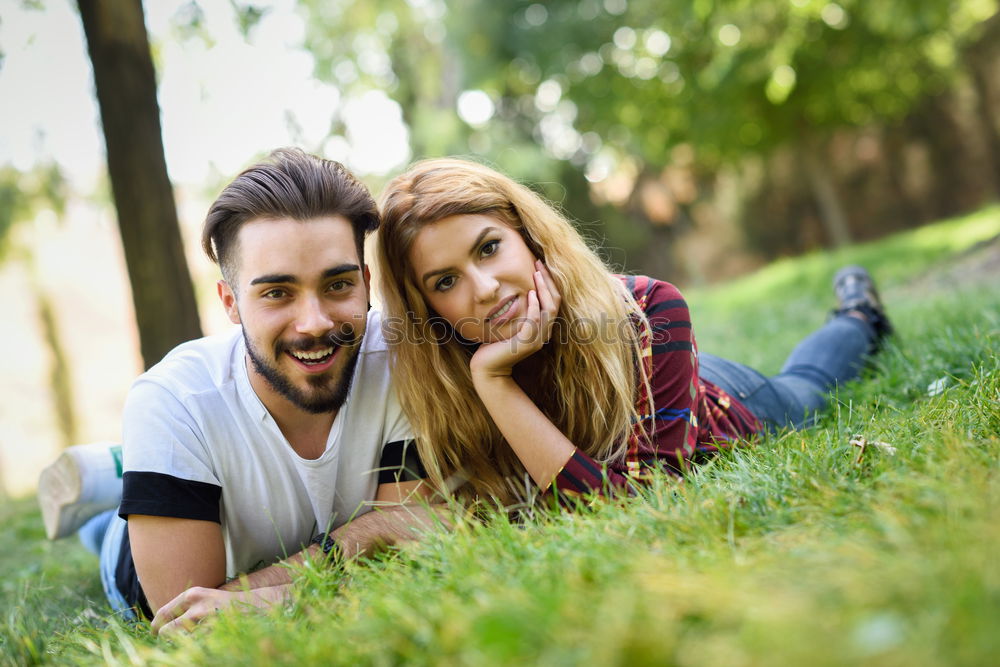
(367, 275)
(228, 299)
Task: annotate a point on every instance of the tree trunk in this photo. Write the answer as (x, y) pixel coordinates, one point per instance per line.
(60, 382)
(162, 292)
(831, 211)
(960, 182)
(900, 199)
(983, 59)
(655, 257)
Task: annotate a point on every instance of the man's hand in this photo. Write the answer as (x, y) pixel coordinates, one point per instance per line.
(187, 610)
(361, 537)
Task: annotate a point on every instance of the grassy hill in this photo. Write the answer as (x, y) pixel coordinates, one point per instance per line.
(802, 549)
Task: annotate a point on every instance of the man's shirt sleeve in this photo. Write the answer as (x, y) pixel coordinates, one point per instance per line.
(167, 468)
(399, 460)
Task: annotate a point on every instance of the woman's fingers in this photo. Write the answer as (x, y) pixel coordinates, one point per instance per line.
(532, 319)
(550, 286)
(549, 300)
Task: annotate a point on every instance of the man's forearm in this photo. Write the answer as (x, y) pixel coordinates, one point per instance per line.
(388, 526)
(278, 574)
(364, 536)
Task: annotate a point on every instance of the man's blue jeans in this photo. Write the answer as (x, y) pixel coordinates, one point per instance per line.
(102, 536)
(825, 359)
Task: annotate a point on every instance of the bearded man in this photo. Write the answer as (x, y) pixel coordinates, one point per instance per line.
(242, 449)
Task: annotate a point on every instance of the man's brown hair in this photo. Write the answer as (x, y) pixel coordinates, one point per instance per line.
(290, 183)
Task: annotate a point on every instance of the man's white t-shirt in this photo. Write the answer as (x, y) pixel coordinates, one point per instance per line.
(199, 444)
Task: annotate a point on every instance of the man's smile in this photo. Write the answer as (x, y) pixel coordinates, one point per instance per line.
(314, 361)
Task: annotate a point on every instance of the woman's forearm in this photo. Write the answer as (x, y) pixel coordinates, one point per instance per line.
(536, 441)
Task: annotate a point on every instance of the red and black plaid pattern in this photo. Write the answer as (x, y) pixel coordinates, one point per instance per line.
(689, 417)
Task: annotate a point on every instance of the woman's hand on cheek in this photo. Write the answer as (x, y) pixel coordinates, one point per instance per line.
(549, 299)
(498, 359)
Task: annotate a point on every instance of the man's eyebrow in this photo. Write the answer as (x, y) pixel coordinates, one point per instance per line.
(475, 244)
(288, 278)
(343, 268)
(274, 278)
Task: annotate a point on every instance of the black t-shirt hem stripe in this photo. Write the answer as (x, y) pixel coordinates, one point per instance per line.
(157, 494)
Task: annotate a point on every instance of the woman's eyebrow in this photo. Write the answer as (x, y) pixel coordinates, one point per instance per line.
(479, 239)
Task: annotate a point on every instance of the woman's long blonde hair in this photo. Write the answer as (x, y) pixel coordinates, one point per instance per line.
(592, 362)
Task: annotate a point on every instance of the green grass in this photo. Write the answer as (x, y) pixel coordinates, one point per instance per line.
(49, 588)
(790, 552)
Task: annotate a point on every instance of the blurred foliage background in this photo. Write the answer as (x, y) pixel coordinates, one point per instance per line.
(696, 139)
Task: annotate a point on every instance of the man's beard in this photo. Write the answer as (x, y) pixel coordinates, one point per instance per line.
(330, 392)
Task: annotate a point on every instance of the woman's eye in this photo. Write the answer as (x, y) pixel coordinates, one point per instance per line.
(444, 283)
(490, 248)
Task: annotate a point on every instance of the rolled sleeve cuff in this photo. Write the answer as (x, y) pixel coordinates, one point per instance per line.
(158, 494)
(583, 476)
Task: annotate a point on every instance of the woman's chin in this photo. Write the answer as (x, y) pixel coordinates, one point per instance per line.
(491, 334)
(501, 333)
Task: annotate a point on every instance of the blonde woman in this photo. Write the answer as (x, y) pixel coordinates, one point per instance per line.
(524, 364)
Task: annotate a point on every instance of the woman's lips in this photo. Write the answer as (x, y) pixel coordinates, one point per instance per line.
(504, 311)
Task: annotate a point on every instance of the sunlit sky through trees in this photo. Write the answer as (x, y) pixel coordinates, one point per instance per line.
(224, 98)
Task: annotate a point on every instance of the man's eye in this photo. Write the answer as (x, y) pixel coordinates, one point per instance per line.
(490, 248)
(274, 293)
(445, 283)
(339, 285)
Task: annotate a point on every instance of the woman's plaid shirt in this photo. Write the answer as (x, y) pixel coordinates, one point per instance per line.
(689, 418)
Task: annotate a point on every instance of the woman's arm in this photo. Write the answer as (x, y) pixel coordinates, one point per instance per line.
(537, 442)
(541, 447)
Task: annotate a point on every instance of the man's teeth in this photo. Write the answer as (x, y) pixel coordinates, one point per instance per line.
(503, 310)
(312, 356)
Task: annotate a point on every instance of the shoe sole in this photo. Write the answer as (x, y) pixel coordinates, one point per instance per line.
(857, 274)
(59, 488)
(869, 297)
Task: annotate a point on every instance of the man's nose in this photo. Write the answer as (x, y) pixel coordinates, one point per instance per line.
(486, 286)
(313, 320)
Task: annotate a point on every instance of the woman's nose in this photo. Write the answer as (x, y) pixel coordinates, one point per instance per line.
(486, 286)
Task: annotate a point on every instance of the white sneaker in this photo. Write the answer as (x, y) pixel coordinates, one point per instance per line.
(83, 482)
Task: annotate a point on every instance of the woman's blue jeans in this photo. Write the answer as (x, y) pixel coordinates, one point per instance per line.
(825, 359)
